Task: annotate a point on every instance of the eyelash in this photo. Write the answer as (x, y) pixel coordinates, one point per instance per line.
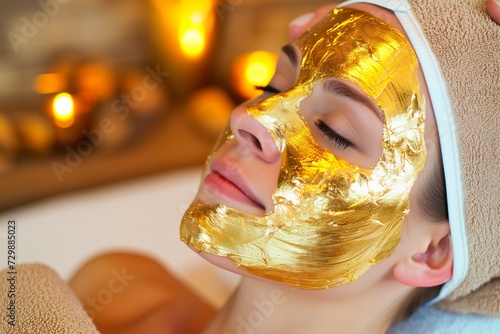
(268, 89)
(333, 136)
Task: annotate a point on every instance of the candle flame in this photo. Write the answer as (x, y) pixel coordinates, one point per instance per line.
(63, 109)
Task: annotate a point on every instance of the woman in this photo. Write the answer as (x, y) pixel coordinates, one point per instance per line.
(356, 260)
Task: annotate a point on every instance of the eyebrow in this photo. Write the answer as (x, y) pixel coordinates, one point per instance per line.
(338, 87)
(290, 53)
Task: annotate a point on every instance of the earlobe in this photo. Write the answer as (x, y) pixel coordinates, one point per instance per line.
(431, 268)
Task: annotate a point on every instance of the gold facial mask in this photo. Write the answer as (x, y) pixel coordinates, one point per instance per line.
(333, 220)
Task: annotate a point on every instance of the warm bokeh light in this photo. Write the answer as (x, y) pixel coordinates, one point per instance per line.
(49, 83)
(36, 133)
(184, 32)
(63, 109)
(209, 109)
(96, 79)
(258, 74)
(196, 21)
(252, 69)
(193, 42)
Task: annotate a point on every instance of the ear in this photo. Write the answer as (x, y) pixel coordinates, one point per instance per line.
(432, 267)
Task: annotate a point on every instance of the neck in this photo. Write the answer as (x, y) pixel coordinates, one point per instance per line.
(259, 306)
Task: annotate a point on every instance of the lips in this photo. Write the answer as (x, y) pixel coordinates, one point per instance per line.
(226, 180)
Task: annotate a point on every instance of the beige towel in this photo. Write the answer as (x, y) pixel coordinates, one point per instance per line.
(44, 303)
(466, 43)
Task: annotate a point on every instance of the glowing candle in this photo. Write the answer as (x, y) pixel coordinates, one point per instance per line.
(63, 109)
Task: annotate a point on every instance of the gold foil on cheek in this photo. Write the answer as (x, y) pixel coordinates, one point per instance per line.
(332, 220)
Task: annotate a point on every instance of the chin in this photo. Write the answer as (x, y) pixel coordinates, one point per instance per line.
(223, 263)
(229, 265)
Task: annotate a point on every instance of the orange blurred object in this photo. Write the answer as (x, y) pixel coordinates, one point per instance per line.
(209, 109)
(250, 70)
(96, 79)
(49, 83)
(36, 133)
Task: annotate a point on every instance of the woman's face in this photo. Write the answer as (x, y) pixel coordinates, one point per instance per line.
(309, 185)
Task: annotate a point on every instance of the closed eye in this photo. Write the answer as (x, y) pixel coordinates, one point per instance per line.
(268, 89)
(333, 136)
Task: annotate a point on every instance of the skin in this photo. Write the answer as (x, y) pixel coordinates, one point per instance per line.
(156, 302)
(493, 10)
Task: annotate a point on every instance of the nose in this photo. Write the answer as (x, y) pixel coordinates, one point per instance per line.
(253, 136)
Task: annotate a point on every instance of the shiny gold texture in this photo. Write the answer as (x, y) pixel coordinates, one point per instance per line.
(332, 220)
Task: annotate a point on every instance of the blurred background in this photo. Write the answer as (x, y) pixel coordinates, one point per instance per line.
(93, 92)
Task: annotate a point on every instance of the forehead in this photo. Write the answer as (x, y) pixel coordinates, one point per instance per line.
(355, 46)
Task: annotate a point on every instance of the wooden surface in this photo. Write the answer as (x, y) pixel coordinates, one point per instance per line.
(173, 144)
